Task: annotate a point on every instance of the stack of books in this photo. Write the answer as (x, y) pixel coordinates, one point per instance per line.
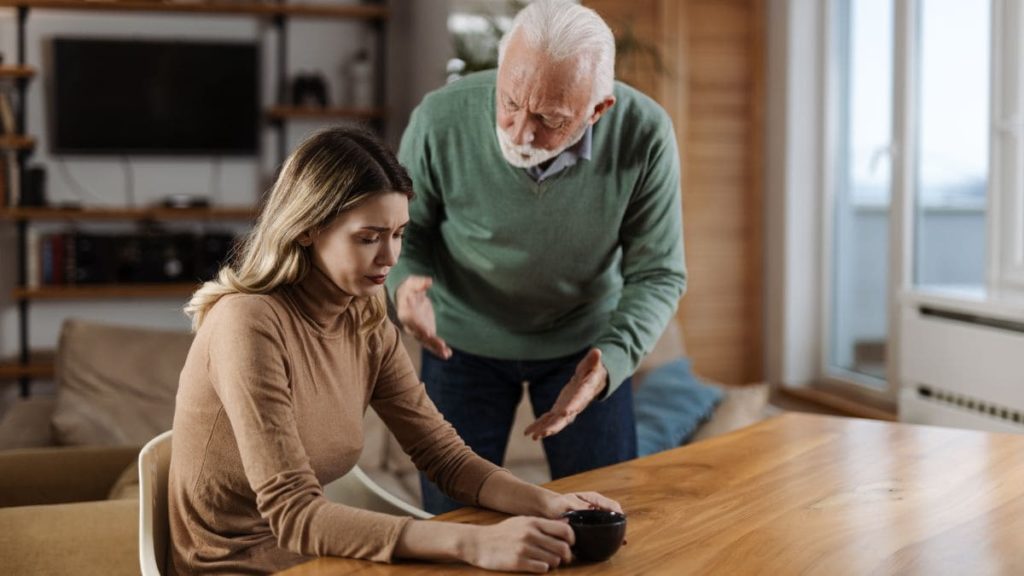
(70, 258)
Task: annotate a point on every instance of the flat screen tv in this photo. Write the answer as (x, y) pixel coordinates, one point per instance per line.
(155, 97)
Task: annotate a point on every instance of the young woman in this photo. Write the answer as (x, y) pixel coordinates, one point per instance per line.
(292, 345)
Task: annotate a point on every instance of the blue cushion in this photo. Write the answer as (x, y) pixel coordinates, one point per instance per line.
(670, 404)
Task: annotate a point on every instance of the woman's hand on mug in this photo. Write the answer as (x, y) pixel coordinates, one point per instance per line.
(520, 544)
(559, 504)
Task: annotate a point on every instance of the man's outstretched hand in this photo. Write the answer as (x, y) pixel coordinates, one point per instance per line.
(587, 383)
(416, 314)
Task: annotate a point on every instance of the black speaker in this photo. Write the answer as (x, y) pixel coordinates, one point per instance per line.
(309, 90)
(33, 187)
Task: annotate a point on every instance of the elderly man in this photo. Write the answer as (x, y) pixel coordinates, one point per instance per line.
(547, 227)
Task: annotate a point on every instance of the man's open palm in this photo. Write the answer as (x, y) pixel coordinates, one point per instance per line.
(416, 314)
(587, 383)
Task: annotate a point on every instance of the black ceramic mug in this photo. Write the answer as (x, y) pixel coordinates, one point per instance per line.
(599, 533)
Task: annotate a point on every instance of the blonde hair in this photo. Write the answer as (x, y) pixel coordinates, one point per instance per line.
(332, 171)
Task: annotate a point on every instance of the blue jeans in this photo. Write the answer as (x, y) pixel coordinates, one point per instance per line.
(479, 397)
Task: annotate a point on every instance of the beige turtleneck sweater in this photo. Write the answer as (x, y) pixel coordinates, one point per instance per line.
(270, 408)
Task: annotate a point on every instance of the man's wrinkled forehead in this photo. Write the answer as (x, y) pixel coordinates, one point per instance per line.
(557, 82)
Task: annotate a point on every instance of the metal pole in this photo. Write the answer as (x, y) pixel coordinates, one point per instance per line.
(379, 28)
(282, 85)
(24, 382)
(21, 84)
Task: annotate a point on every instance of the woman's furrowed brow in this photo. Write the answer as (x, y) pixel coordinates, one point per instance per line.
(383, 228)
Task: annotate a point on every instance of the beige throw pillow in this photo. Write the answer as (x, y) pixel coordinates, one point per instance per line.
(740, 407)
(115, 384)
(127, 485)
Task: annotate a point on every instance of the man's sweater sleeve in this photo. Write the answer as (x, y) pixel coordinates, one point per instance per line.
(653, 265)
(414, 154)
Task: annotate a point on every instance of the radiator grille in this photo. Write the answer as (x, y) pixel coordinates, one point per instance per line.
(1010, 325)
(971, 404)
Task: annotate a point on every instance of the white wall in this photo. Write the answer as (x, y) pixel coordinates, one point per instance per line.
(793, 264)
(418, 49)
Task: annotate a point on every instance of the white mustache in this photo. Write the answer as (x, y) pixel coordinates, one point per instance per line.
(522, 155)
(523, 149)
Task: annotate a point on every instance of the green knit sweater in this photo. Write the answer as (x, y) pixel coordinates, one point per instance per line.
(592, 256)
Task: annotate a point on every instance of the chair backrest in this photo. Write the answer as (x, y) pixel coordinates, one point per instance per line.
(154, 525)
(353, 489)
(360, 491)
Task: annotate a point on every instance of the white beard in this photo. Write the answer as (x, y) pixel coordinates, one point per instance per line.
(526, 156)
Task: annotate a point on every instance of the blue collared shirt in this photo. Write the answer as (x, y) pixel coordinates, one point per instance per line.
(566, 158)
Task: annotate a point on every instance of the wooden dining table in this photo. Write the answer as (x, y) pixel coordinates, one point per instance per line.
(799, 494)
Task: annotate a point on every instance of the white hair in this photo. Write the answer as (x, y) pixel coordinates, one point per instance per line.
(563, 29)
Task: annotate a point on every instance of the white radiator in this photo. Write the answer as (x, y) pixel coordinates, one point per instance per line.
(963, 370)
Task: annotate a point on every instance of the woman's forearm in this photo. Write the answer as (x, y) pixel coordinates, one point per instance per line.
(437, 541)
(504, 492)
(518, 544)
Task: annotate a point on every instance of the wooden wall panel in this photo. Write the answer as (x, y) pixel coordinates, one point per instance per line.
(712, 86)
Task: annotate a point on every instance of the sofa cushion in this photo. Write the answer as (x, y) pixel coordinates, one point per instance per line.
(83, 538)
(60, 474)
(669, 347)
(116, 384)
(741, 406)
(126, 487)
(670, 405)
(26, 424)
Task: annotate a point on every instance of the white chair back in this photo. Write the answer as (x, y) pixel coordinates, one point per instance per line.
(353, 489)
(154, 525)
(358, 490)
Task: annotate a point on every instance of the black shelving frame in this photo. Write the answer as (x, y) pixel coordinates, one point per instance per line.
(280, 24)
(21, 109)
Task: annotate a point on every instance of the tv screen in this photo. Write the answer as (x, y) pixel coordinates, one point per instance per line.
(155, 97)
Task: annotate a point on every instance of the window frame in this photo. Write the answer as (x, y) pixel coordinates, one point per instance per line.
(835, 101)
(1006, 194)
(799, 170)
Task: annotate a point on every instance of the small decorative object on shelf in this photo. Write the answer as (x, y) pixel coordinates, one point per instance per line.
(360, 81)
(309, 90)
(33, 189)
(182, 201)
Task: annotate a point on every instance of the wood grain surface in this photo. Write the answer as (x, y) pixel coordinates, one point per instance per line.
(802, 494)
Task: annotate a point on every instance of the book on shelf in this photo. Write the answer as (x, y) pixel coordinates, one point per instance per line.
(3, 182)
(12, 178)
(76, 258)
(10, 183)
(7, 124)
(32, 257)
(47, 259)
